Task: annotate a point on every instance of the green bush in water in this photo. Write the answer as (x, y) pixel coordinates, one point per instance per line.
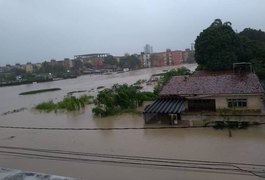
(69, 103)
(46, 106)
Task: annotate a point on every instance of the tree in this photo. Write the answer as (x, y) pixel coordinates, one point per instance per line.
(217, 47)
(110, 60)
(217, 23)
(130, 61)
(253, 42)
(55, 69)
(253, 34)
(120, 98)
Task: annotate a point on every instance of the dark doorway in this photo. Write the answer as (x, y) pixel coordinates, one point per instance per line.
(201, 105)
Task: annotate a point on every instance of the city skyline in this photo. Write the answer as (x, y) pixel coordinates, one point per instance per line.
(35, 31)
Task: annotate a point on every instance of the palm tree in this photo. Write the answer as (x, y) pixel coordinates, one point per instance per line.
(217, 22)
(227, 23)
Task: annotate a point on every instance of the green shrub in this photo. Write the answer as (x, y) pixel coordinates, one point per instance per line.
(69, 103)
(120, 98)
(46, 106)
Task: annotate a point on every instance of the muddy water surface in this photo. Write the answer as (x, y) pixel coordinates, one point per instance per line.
(246, 146)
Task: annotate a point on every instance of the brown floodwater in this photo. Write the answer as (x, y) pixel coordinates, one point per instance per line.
(245, 146)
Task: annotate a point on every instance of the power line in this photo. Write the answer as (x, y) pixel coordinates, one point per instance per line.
(138, 161)
(124, 156)
(107, 128)
(93, 129)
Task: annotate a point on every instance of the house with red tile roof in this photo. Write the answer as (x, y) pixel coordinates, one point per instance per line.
(212, 91)
(208, 92)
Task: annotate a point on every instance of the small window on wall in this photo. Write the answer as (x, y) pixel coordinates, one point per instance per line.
(236, 103)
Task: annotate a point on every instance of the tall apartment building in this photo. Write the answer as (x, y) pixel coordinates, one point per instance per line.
(148, 50)
(167, 58)
(29, 67)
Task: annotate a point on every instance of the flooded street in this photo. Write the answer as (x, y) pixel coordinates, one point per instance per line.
(204, 144)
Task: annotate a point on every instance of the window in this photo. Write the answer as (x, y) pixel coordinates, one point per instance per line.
(201, 105)
(236, 103)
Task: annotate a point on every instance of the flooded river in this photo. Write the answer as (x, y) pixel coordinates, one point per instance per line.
(87, 154)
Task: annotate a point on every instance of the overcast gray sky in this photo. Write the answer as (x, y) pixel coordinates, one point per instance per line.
(38, 30)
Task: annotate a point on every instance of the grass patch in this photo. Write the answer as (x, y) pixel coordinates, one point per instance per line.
(39, 91)
(69, 103)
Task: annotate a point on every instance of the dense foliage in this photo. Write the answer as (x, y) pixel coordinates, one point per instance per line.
(56, 70)
(69, 103)
(217, 47)
(130, 61)
(167, 76)
(253, 42)
(120, 98)
(110, 60)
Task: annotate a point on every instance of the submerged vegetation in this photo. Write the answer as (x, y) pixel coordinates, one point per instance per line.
(39, 91)
(227, 123)
(230, 125)
(69, 103)
(109, 101)
(14, 111)
(120, 98)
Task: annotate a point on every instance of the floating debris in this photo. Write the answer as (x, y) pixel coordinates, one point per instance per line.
(11, 137)
(39, 91)
(14, 111)
(72, 92)
(100, 87)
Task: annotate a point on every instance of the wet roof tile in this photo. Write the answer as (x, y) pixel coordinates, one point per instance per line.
(205, 83)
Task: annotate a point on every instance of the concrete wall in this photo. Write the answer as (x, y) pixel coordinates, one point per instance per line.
(254, 102)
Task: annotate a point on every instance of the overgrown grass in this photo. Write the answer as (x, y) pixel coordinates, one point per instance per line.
(39, 91)
(69, 103)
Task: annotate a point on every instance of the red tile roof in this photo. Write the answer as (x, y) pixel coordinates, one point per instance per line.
(205, 83)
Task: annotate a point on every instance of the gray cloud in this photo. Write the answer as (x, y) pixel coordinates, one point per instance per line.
(33, 30)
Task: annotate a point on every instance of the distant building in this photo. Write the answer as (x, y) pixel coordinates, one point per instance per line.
(37, 65)
(29, 67)
(18, 66)
(167, 58)
(90, 56)
(186, 55)
(2, 69)
(158, 59)
(68, 63)
(177, 57)
(148, 50)
(96, 59)
(118, 58)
